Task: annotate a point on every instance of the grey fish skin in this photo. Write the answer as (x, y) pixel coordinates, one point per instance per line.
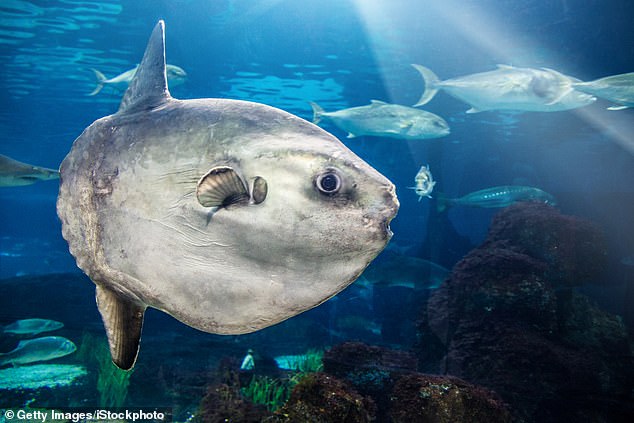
(32, 326)
(382, 119)
(175, 76)
(508, 88)
(304, 215)
(14, 173)
(501, 196)
(618, 89)
(38, 349)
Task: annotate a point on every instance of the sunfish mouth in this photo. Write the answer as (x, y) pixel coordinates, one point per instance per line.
(389, 210)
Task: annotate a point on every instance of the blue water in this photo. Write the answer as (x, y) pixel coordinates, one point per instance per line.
(338, 53)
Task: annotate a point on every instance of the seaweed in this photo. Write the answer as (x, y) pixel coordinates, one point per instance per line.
(271, 392)
(112, 382)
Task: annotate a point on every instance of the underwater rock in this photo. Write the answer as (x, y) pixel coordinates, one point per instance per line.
(419, 398)
(574, 249)
(508, 319)
(321, 398)
(223, 403)
(349, 357)
(372, 370)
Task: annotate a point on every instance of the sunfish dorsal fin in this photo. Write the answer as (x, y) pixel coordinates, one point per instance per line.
(123, 320)
(148, 88)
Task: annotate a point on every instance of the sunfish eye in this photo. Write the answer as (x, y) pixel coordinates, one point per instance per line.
(329, 182)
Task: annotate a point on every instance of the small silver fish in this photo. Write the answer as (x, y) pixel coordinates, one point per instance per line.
(382, 119)
(32, 326)
(175, 76)
(501, 196)
(423, 183)
(508, 88)
(618, 89)
(38, 349)
(14, 173)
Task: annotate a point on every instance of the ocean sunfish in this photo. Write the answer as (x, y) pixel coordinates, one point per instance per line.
(14, 173)
(229, 215)
(32, 326)
(175, 76)
(38, 349)
(508, 88)
(382, 119)
(618, 89)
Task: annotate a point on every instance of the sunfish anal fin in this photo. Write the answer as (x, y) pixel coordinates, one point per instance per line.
(221, 187)
(148, 88)
(123, 320)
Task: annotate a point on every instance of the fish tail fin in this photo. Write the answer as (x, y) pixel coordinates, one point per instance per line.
(101, 78)
(442, 203)
(431, 84)
(317, 112)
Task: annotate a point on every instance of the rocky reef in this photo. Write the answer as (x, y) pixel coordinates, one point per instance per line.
(360, 383)
(418, 398)
(322, 398)
(509, 319)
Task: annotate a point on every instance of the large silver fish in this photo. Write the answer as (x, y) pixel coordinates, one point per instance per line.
(382, 119)
(14, 173)
(175, 76)
(508, 88)
(32, 326)
(229, 215)
(618, 89)
(404, 271)
(38, 349)
(501, 196)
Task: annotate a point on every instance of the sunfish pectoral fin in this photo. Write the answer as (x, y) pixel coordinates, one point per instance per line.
(473, 110)
(351, 135)
(123, 320)
(148, 88)
(223, 187)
